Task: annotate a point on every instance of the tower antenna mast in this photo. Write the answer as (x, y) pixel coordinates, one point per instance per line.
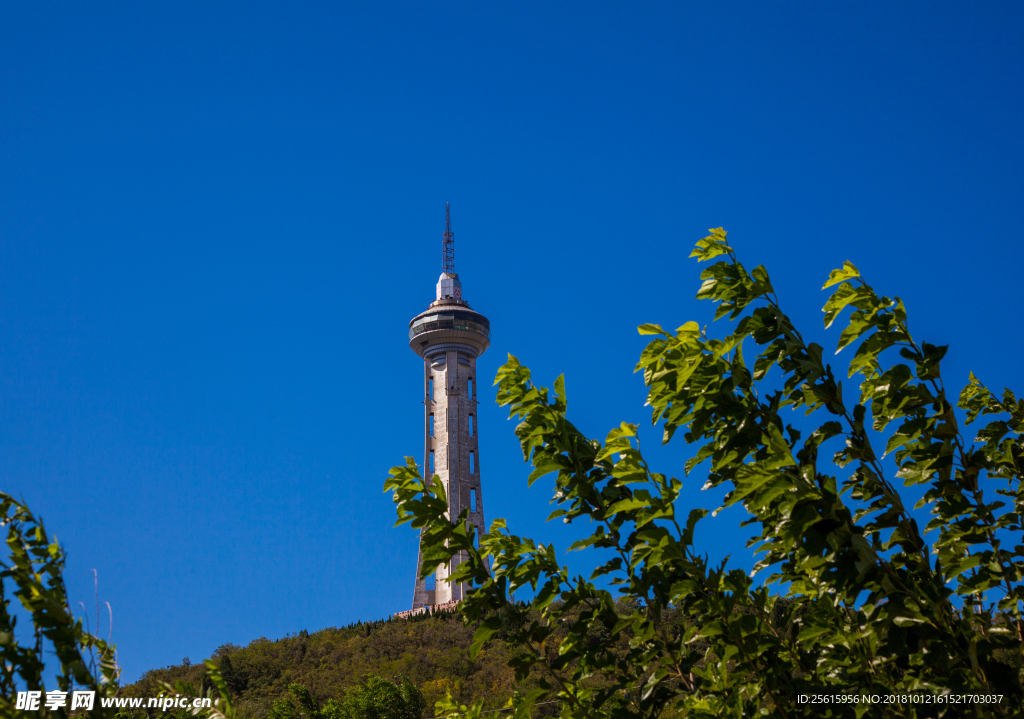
(448, 246)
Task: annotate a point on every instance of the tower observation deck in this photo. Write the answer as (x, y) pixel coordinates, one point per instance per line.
(449, 336)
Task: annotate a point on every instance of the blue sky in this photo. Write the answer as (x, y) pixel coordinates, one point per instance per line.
(215, 224)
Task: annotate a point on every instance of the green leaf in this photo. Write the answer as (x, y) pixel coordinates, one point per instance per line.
(810, 633)
(649, 329)
(487, 629)
(711, 246)
(525, 707)
(846, 272)
(846, 294)
(691, 523)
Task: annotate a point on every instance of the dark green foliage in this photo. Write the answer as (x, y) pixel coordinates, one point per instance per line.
(867, 606)
(322, 675)
(299, 705)
(426, 656)
(377, 698)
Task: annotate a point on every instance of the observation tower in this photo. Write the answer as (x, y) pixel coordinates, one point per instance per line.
(449, 336)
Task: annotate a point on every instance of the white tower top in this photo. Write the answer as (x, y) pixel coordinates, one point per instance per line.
(449, 287)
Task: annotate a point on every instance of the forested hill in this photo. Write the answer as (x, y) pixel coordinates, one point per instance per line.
(432, 651)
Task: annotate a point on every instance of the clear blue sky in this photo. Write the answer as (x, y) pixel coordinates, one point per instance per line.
(215, 224)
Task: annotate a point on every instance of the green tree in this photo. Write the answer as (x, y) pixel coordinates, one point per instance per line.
(377, 698)
(300, 705)
(866, 605)
(373, 698)
(34, 569)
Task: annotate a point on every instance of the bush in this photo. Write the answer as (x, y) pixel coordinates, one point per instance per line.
(866, 606)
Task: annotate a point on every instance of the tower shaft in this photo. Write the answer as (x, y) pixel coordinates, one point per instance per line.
(451, 452)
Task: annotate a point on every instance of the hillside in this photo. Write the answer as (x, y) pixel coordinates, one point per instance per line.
(432, 651)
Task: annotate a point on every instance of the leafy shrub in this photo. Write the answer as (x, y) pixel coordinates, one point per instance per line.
(867, 606)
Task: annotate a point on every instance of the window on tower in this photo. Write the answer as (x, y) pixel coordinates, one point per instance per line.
(430, 583)
(432, 470)
(471, 388)
(472, 499)
(472, 468)
(431, 424)
(471, 425)
(430, 388)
